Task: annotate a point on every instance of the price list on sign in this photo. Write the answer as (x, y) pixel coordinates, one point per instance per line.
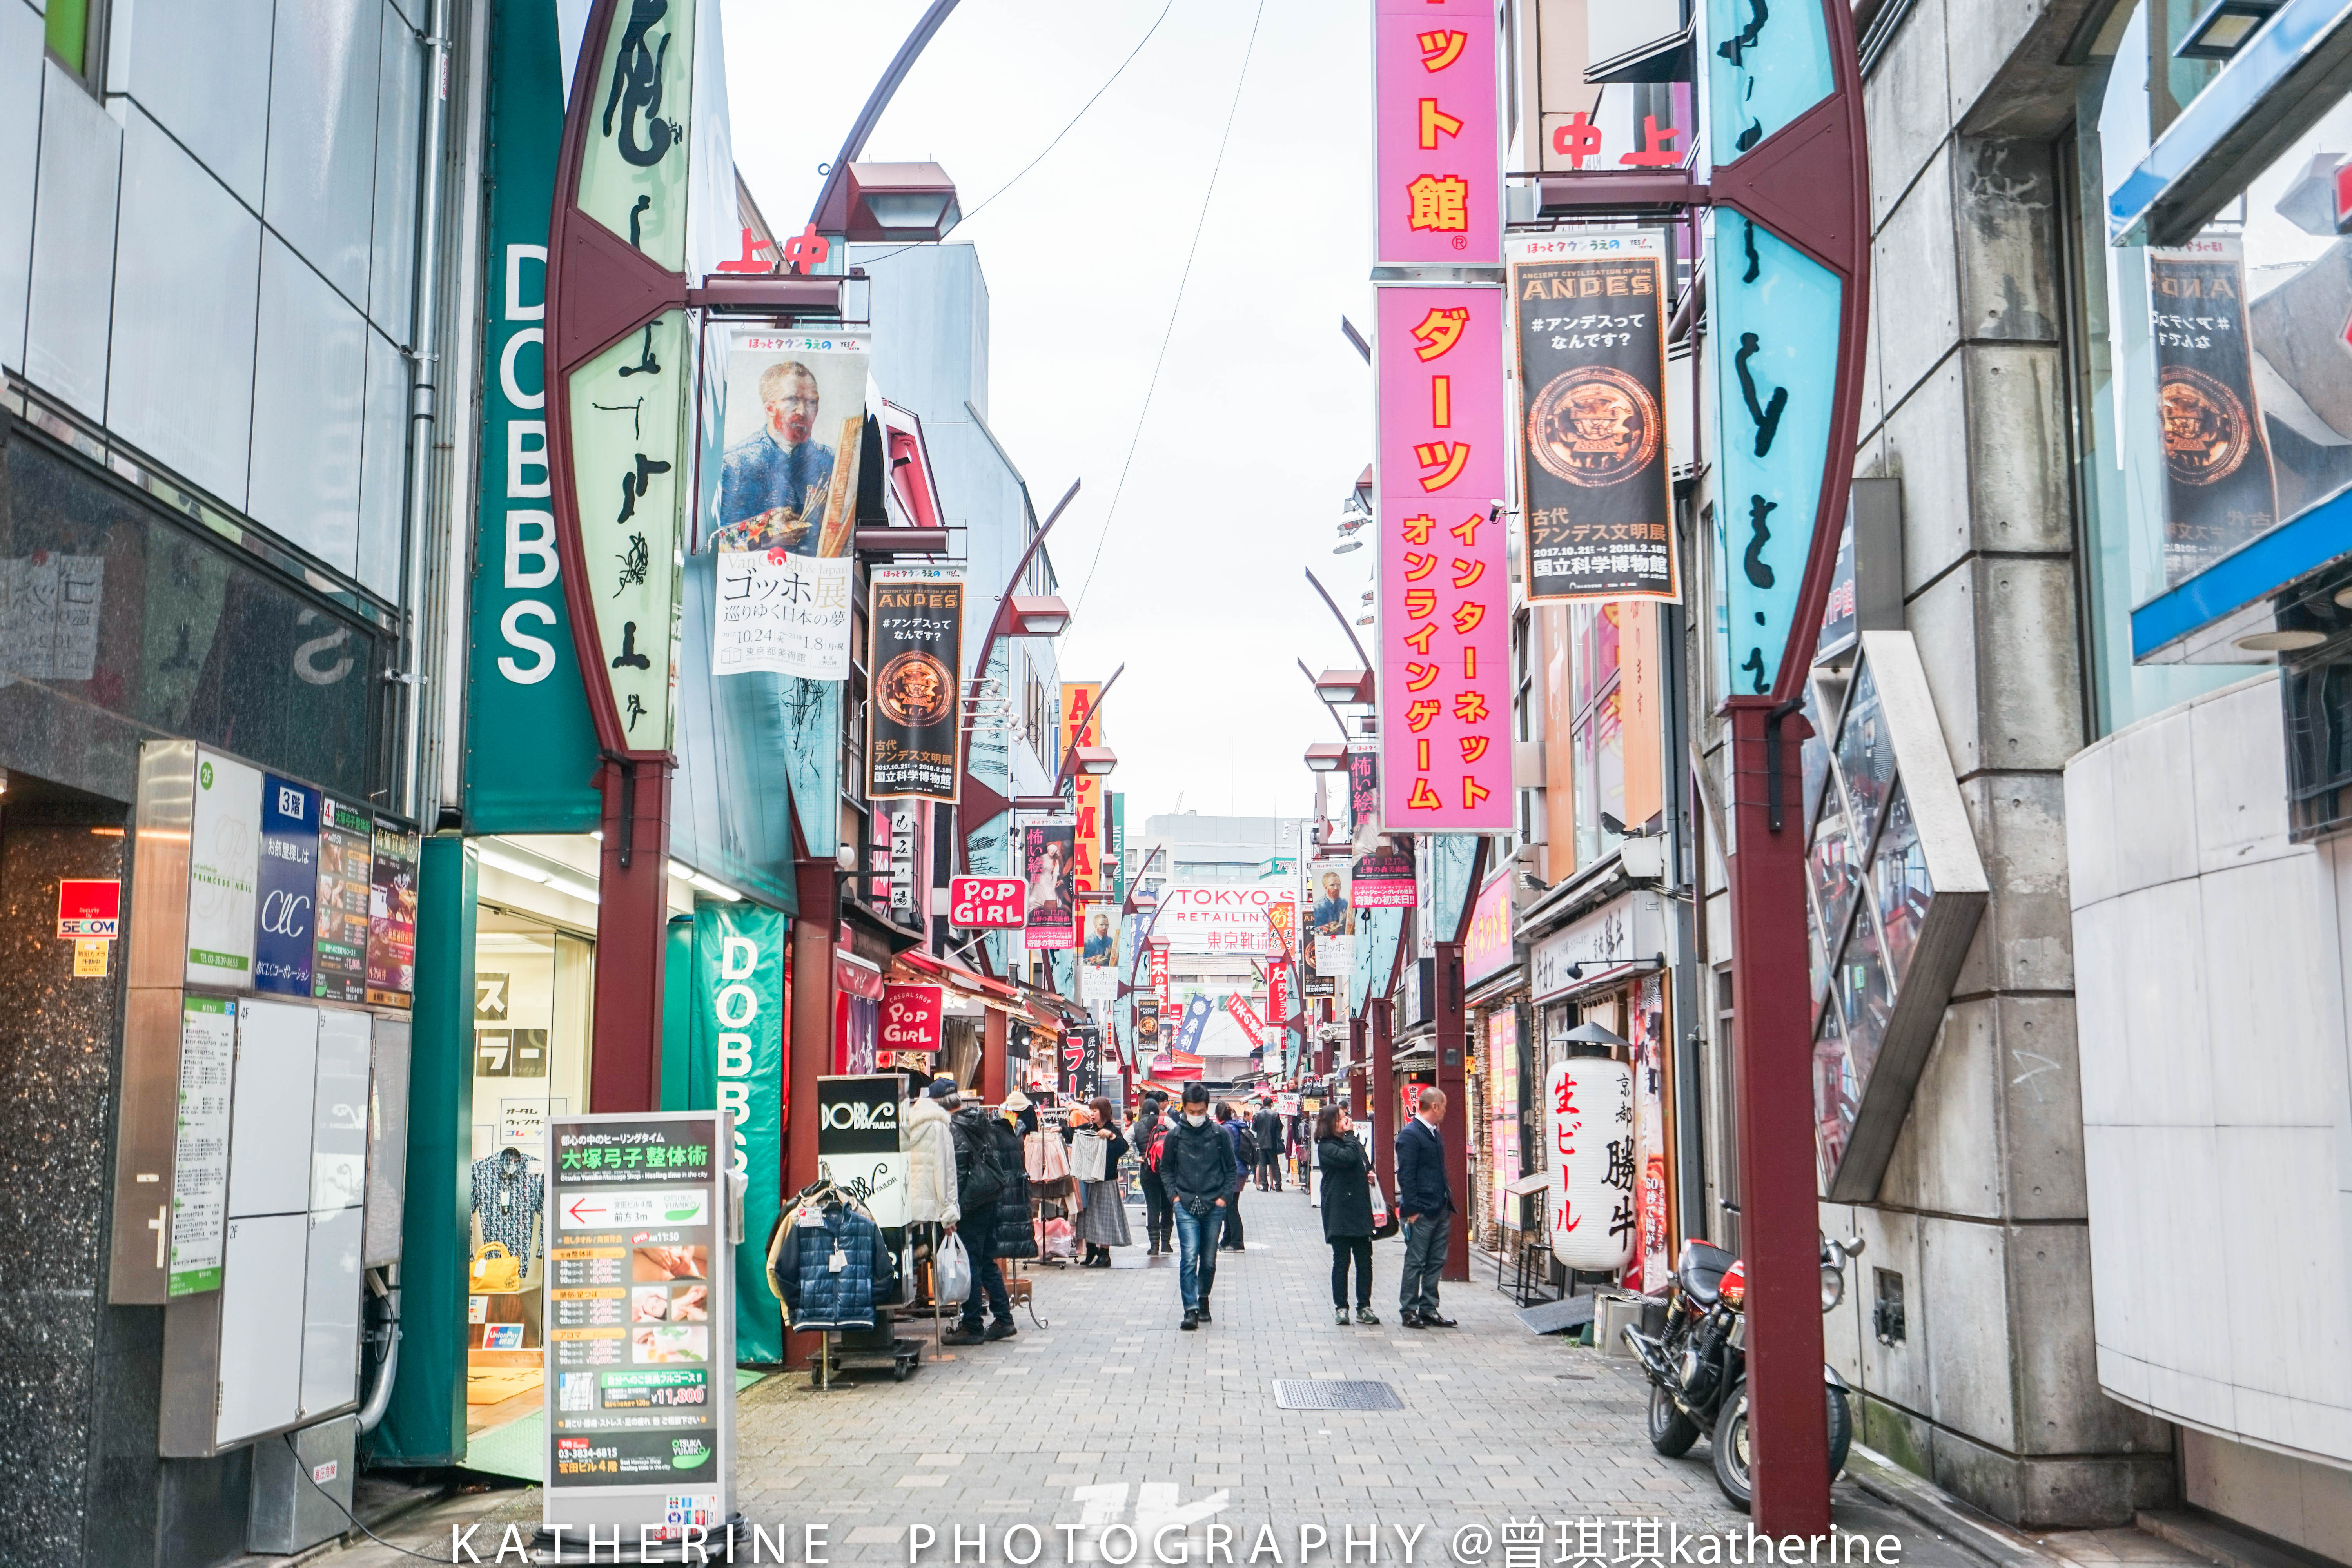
(639, 1299)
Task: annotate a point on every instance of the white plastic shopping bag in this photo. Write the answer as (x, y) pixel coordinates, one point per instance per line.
(951, 1271)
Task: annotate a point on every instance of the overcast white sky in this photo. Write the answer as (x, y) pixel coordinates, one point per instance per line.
(1262, 417)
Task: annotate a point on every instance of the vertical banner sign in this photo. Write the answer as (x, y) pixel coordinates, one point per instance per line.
(1384, 879)
(1437, 145)
(1045, 867)
(1363, 783)
(625, 468)
(530, 752)
(200, 1144)
(392, 919)
(1444, 573)
(858, 1149)
(916, 628)
(224, 861)
(1594, 488)
(739, 962)
(788, 504)
(1081, 727)
(1115, 862)
(346, 888)
(1776, 352)
(287, 888)
(639, 1379)
(2219, 487)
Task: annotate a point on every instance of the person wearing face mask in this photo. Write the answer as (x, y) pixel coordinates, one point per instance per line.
(1196, 1162)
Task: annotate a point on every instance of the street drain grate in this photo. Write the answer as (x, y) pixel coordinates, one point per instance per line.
(1333, 1394)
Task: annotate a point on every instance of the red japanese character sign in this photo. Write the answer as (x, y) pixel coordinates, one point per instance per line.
(1445, 576)
(1437, 147)
(1589, 1113)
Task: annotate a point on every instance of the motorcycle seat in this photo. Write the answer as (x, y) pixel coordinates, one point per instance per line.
(1701, 1271)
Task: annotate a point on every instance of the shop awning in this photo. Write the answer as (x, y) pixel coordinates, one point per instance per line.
(1496, 986)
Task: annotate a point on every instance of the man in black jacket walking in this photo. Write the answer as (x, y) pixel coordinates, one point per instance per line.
(1196, 1163)
(1425, 1205)
(1266, 1128)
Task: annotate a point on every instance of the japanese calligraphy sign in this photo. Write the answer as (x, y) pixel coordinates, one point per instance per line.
(1597, 498)
(1778, 321)
(1767, 66)
(1588, 1119)
(1045, 848)
(1437, 150)
(915, 625)
(1445, 589)
(1363, 783)
(1082, 727)
(1159, 987)
(787, 505)
(2220, 489)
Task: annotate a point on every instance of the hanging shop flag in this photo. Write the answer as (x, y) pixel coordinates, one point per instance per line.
(1160, 973)
(1194, 1023)
(1445, 571)
(1115, 861)
(787, 506)
(1238, 1007)
(1146, 1020)
(915, 628)
(2219, 487)
(738, 970)
(1595, 494)
(346, 885)
(1382, 879)
(1363, 783)
(1437, 148)
(285, 917)
(392, 919)
(1045, 867)
(1098, 957)
(1080, 727)
(1651, 1199)
(1588, 1107)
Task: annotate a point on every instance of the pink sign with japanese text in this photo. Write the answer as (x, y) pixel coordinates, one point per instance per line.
(1444, 575)
(1436, 145)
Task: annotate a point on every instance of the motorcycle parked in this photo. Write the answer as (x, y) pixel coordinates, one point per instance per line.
(1698, 1364)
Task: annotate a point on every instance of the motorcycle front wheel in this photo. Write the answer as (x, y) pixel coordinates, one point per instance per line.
(1730, 1449)
(1672, 1433)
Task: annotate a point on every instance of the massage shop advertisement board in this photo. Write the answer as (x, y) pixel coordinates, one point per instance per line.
(639, 1386)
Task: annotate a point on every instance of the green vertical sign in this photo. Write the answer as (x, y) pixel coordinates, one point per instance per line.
(530, 744)
(739, 1023)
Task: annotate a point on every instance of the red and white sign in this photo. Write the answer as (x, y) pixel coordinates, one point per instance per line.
(90, 909)
(911, 1018)
(1588, 1105)
(1245, 1016)
(987, 904)
(1160, 972)
(1277, 994)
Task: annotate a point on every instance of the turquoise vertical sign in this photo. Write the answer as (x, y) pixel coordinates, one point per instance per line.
(739, 1026)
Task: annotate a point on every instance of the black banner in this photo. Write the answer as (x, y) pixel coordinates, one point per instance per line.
(2218, 490)
(1595, 485)
(915, 648)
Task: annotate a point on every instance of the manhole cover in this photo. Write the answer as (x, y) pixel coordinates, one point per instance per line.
(1333, 1394)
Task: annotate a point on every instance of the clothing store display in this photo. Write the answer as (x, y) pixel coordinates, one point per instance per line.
(829, 1263)
(496, 1270)
(508, 1196)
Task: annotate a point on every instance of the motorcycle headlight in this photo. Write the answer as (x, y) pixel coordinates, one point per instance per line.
(1832, 1287)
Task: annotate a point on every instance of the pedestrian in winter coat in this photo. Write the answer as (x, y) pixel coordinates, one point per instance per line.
(1102, 1221)
(983, 1181)
(1196, 1161)
(1425, 1205)
(1016, 1235)
(931, 1159)
(1347, 1167)
(1266, 1128)
(1158, 1212)
(1244, 1144)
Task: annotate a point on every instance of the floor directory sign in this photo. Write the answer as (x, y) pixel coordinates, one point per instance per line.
(640, 1392)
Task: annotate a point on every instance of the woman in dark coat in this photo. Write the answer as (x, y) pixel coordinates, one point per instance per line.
(1347, 1196)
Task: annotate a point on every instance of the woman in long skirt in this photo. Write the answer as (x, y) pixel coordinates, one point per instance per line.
(1102, 1221)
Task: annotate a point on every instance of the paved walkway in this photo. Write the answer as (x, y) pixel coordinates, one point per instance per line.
(1107, 1417)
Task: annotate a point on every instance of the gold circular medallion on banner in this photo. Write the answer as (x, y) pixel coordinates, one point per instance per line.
(915, 690)
(2207, 432)
(1593, 426)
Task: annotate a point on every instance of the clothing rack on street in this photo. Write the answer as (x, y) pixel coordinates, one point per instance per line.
(899, 1356)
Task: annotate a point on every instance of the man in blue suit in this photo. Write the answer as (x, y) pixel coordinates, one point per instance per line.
(1426, 1206)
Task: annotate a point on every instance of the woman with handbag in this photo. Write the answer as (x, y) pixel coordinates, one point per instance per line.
(1346, 1167)
(1096, 1145)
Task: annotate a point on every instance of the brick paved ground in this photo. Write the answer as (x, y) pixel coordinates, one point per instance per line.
(1108, 1416)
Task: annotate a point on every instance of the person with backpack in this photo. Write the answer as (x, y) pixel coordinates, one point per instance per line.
(1244, 1144)
(981, 1184)
(1266, 1128)
(1158, 1212)
(1196, 1161)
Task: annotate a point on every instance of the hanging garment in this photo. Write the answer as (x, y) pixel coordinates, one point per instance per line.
(830, 1267)
(508, 1196)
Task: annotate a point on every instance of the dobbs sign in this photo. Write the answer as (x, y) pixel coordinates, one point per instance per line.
(987, 904)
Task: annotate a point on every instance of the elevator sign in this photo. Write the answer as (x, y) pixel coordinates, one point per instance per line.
(89, 907)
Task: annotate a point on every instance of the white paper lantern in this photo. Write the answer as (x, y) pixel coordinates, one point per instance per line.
(1589, 1118)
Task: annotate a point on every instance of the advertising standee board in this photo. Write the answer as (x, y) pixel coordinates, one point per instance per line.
(639, 1391)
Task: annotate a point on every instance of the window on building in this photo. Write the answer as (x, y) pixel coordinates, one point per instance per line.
(76, 36)
(1597, 726)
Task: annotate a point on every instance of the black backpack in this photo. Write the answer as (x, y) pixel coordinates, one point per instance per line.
(1248, 1144)
(980, 1179)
